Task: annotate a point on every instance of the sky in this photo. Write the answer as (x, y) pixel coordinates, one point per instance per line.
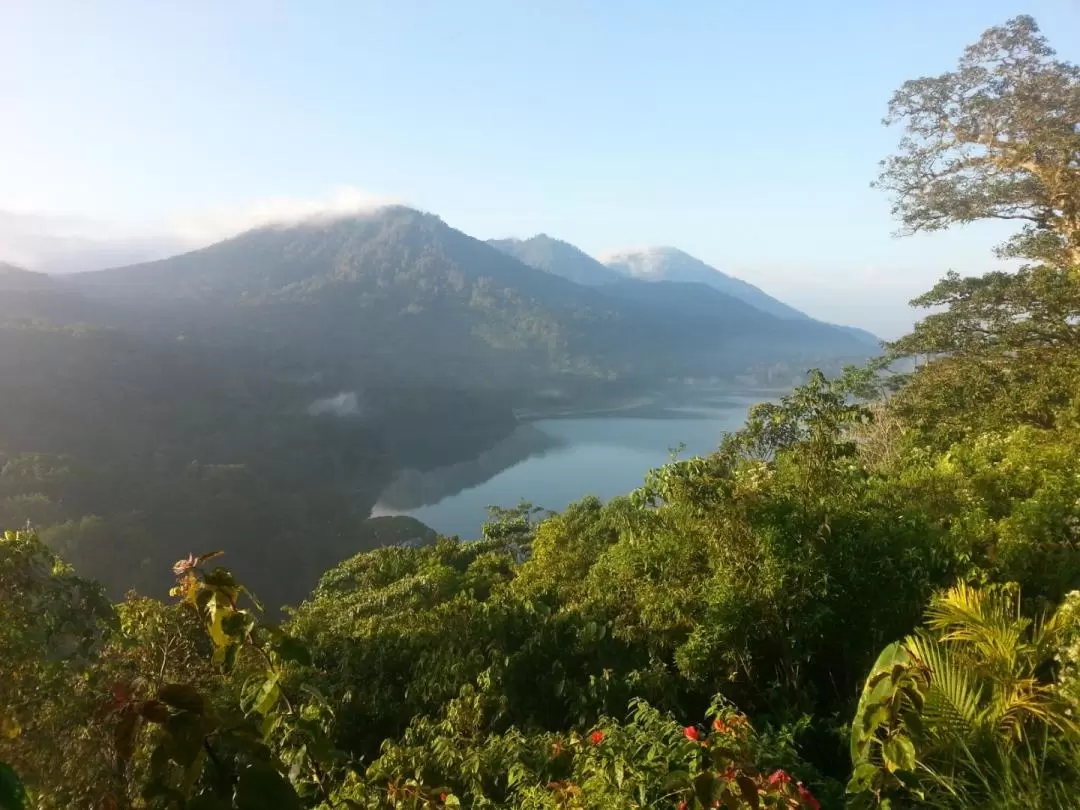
(745, 132)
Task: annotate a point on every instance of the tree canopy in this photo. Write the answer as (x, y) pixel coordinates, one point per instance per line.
(997, 138)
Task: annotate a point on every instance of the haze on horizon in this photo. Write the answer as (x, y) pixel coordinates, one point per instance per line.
(745, 134)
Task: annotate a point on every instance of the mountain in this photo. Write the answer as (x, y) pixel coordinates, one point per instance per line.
(401, 289)
(672, 264)
(657, 264)
(560, 258)
(260, 393)
(16, 278)
(394, 289)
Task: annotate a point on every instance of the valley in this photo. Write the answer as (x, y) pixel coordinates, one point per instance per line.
(262, 395)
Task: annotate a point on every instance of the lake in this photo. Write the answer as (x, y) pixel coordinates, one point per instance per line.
(553, 462)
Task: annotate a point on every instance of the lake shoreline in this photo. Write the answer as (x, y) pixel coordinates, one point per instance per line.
(563, 455)
(659, 405)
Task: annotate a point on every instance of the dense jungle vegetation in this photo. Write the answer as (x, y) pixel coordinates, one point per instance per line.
(869, 596)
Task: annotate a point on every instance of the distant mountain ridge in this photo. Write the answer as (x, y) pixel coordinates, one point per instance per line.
(672, 264)
(13, 277)
(196, 376)
(558, 257)
(661, 264)
(407, 291)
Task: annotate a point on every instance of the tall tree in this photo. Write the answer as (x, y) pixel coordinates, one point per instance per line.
(997, 138)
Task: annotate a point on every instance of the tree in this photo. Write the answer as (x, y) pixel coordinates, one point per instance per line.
(1006, 350)
(53, 626)
(997, 138)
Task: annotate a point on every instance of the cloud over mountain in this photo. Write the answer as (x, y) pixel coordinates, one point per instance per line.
(71, 243)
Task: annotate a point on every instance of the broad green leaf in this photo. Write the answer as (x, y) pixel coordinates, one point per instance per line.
(899, 753)
(267, 696)
(862, 777)
(749, 790)
(675, 781)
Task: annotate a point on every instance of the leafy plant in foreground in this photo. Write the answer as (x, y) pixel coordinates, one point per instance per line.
(967, 712)
(245, 745)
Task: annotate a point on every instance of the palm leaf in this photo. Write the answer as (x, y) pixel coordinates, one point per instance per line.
(951, 701)
(987, 623)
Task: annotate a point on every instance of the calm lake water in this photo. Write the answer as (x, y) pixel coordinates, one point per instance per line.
(598, 455)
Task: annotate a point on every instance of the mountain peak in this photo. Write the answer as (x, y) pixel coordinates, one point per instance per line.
(558, 258)
(663, 263)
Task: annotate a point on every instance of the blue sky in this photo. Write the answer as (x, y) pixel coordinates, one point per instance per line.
(743, 132)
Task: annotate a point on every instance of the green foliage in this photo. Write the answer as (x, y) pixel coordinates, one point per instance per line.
(53, 626)
(648, 760)
(967, 713)
(246, 744)
(996, 138)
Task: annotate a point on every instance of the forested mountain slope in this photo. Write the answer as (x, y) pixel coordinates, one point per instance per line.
(402, 287)
(672, 264)
(147, 404)
(16, 278)
(555, 256)
(120, 447)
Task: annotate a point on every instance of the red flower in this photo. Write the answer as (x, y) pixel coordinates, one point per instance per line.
(807, 798)
(597, 737)
(721, 726)
(779, 778)
(683, 805)
(442, 798)
(691, 733)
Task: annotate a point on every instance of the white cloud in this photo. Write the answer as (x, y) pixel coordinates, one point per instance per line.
(203, 228)
(68, 243)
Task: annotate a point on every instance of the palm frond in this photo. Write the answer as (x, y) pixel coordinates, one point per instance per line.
(951, 701)
(986, 627)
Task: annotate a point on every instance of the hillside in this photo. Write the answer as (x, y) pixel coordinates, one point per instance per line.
(665, 265)
(212, 376)
(395, 289)
(672, 264)
(16, 278)
(560, 258)
(400, 288)
(194, 396)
